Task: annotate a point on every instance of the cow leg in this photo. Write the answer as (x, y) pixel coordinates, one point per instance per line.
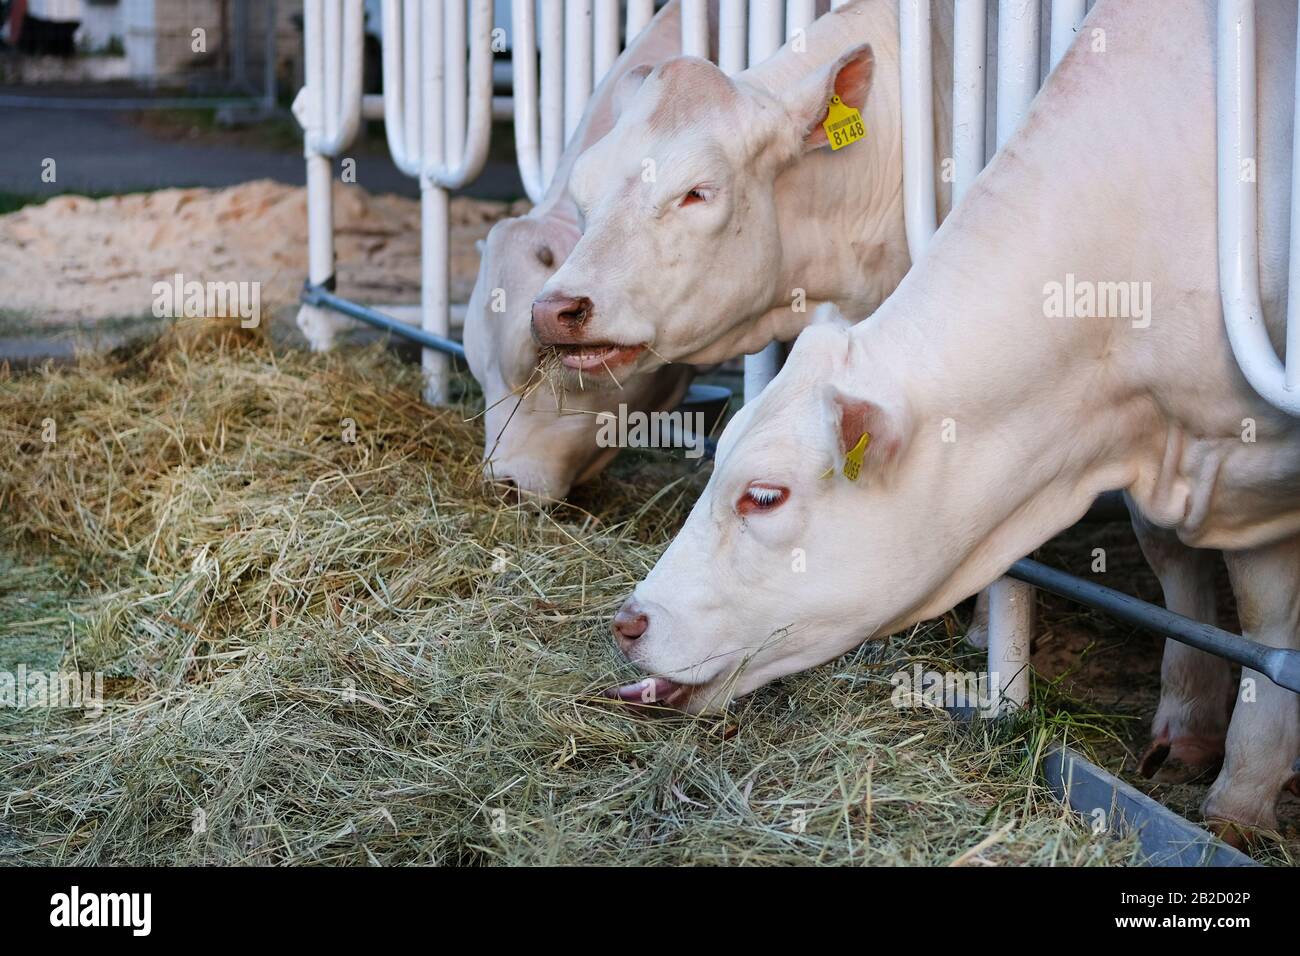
(1195, 687)
(1264, 736)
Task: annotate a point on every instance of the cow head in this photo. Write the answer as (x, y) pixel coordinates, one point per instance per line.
(681, 240)
(540, 434)
(804, 542)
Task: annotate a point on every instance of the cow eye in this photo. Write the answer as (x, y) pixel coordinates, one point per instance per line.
(698, 194)
(761, 497)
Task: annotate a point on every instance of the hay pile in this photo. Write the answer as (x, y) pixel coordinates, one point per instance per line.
(331, 652)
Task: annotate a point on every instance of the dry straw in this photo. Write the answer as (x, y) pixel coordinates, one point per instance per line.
(322, 651)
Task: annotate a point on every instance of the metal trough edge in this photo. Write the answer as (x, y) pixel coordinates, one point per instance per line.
(1166, 838)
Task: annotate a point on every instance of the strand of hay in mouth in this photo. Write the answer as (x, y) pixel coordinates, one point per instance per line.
(324, 651)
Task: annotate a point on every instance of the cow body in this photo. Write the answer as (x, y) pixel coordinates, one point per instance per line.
(995, 420)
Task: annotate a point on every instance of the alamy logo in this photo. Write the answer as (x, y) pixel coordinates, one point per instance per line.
(103, 909)
(956, 690)
(652, 430)
(25, 689)
(212, 300)
(1083, 299)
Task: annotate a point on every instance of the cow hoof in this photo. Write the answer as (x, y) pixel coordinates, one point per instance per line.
(978, 636)
(1236, 835)
(1181, 759)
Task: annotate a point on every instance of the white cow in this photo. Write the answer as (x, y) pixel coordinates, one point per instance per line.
(716, 218)
(1110, 180)
(541, 439)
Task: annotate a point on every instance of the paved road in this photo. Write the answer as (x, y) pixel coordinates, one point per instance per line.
(101, 151)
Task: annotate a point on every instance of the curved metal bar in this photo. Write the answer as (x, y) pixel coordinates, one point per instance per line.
(1243, 312)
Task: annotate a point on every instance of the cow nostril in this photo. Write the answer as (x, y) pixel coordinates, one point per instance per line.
(576, 313)
(505, 487)
(556, 316)
(630, 623)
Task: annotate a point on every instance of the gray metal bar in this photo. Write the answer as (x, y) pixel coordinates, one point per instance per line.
(324, 299)
(1278, 664)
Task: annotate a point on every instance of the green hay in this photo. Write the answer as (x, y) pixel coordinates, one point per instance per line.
(324, 652)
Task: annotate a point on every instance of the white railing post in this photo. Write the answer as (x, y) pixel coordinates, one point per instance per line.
(579, 41)
(733, 36)
(1018, 26)
(695, 28)
(1243, 313)
(577, 62)
(970, 23)
(639, 15)
(329, 110)
(768, 29)
(1011, 603)
(917, 105)
(425, 110)
(1066, 17)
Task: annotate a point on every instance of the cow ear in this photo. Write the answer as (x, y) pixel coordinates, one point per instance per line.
(627, 86)
(848, 77)
(869, 437)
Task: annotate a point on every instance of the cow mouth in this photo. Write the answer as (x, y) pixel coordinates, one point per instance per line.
(653, 692)
(592, 356)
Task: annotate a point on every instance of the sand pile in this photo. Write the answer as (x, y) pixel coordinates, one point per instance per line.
(74, 260)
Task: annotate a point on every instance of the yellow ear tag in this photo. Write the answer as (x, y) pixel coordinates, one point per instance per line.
(853, 460)
(843, 124)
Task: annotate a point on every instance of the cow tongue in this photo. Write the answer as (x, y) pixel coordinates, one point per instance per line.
(648, 691)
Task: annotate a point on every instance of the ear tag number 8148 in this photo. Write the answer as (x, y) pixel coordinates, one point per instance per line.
(843, 124)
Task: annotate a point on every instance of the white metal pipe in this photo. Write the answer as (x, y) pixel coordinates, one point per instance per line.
(733, 36)
(969, 84)
(1243, 312)
(457, 170)
(333, 66)
(639, 15)
(606, 38)
(523, 63)
(333, 42)
(1011, 626)
(695, 28)
(435, 279)
(320, 219)
(1067, 15)
(1292, 383)
(577, 62)
(432, 116)
(1011, 603)
(798, 15)
(552, 93)
(917, 97)
(454, 48)
(766, 28)
(1018, 26)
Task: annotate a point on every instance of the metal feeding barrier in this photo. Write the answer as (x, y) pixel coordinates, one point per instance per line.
(437, 109)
